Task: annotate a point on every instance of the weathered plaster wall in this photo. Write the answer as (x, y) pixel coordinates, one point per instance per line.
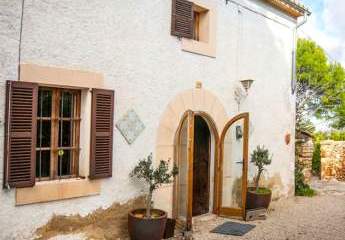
(130, 43)
(10, 15)
(333, 160)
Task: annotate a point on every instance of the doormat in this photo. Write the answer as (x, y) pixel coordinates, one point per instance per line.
(233, 228)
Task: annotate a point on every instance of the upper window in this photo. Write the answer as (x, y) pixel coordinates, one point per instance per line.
(195, 22)
(200, 23)
(58, 124)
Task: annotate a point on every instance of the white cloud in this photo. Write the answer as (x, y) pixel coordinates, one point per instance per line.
(327, 28)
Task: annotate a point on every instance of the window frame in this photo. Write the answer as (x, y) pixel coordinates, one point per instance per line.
(55, 119)
(206, 43)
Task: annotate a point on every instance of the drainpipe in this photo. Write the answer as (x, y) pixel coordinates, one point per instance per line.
(294, 77)
(20, 38)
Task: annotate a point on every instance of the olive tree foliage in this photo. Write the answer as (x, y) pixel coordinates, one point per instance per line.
(320, 88)
(153, 177)
(260, 157)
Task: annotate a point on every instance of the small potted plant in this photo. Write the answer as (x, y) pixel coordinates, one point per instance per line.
(150, 223)
(259, 197)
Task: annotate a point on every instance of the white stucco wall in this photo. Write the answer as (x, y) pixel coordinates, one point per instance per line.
(130, 43)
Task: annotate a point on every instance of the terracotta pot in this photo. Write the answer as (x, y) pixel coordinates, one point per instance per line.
(255, 200)
(140, 228)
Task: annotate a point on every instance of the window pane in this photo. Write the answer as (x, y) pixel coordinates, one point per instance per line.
(42, 164)
(44, 103)
(43, 133)
(64, 167)
(65, 133)
(66, 104)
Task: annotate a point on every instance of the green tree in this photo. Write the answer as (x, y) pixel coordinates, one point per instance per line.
(312, 76)
(320, 87)
(319, 136)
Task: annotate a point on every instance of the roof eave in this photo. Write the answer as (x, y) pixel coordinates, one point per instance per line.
(288, 7)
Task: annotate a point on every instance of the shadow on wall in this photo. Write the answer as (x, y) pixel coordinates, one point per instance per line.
(274, 183)
(237, 193)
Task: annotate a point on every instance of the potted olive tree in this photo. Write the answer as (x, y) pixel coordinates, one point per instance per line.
(259, 197)
(150, 223)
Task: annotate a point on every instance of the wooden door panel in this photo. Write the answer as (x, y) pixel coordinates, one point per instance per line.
(185, 177)
(190, 169)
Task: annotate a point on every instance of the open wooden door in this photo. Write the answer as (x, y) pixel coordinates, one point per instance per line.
(233, 156)
(184, 182)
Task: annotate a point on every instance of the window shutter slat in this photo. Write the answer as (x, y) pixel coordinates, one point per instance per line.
(182, 19)
(20, 134)
(101, 133)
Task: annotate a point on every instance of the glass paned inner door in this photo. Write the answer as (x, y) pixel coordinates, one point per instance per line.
(234, 166)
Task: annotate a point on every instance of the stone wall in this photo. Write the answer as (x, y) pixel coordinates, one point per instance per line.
(305, 156)
(333, 160)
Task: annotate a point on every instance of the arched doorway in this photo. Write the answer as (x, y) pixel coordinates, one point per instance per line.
(208, 182)
(196, 143)
(178, 120)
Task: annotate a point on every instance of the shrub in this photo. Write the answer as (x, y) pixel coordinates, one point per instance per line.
(302, 188)
(316, 161)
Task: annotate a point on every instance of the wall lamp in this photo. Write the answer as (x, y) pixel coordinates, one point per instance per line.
(246, 84)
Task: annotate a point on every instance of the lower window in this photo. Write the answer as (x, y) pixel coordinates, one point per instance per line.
(58, 127)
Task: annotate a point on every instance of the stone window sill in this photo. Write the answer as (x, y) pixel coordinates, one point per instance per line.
(57, 190)
(202, 48)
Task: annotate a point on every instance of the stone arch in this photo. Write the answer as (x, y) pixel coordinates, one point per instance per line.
(199, 100)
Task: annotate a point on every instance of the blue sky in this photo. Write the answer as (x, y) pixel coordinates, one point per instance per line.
(326, 26)
(316, 6)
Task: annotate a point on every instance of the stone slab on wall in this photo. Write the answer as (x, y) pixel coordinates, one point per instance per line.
(333, 160)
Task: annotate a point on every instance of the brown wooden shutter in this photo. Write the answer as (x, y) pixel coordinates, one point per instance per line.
(102, 118)
(20, 134)
(182, 18)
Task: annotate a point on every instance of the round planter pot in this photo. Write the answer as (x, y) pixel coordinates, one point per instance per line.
(140, 228)
(255, 200)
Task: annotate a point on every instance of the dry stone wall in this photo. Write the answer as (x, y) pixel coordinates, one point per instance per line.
(333, 160)
(305, 155)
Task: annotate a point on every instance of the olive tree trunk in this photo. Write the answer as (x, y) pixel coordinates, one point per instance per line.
(257, 180)
(148, 204)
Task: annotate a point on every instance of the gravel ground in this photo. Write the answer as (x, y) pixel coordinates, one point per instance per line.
(318, 218)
